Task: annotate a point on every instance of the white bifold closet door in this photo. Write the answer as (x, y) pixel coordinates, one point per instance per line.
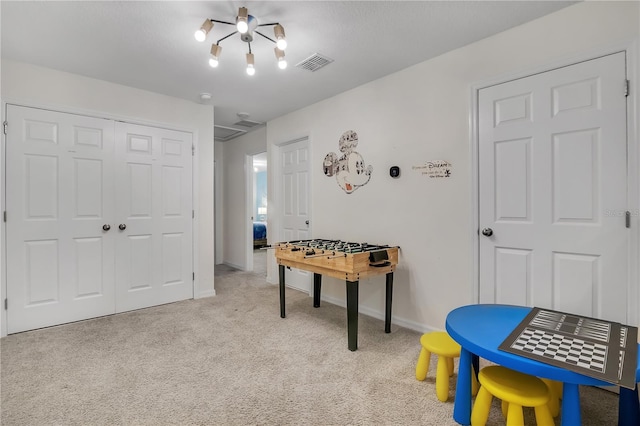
(153, 189)
(71, 182)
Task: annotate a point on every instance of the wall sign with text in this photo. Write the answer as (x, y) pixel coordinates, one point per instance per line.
(435, 169)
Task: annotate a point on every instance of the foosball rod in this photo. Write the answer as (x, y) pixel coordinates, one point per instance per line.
(277, 245)
(337, 255)
(317, 255)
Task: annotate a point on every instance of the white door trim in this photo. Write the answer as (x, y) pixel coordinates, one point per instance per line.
(633, 184)
(250, 177)
(248, 212)
(95, 114)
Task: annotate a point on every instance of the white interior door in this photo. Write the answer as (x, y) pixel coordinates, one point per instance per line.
(59, 195)
(154, 206)
(552, 188)
(294, 174)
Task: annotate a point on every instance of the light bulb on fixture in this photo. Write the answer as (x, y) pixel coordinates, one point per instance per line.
(215, 55)
(243, 27)
(250, 68)
(242, 20)
(281, 40)
(201, 34)
(282, 63)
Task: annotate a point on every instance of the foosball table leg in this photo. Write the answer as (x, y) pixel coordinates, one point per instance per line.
(281, 275)
(317, 283)
(352, 314)
(387, 314)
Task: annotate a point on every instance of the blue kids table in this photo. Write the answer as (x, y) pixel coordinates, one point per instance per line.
(480, 329)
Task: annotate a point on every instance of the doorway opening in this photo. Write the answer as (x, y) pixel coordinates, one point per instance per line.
(259, 212)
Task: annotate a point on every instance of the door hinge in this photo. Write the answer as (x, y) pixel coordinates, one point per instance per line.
(6, 304)
(193, 214)
(4, 127)
(4, 215)
(627, 219)
(193, 150)
(194, 276)
(626, 87)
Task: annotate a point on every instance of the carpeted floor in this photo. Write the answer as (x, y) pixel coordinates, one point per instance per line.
(259, 265)
(230, 360)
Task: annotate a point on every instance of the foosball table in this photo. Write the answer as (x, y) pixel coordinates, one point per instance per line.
(343, 260)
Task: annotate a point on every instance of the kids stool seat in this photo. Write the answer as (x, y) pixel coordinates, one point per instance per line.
(516, 390)
(441, 344)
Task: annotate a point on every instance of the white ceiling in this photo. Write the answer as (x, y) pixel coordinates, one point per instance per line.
(150, 45)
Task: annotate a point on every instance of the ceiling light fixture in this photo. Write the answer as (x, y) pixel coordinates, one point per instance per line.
(245, 25)
(250, 68)
(281, 41)
(215, 54)
(242, 20)
(282, 63)
(201, 34)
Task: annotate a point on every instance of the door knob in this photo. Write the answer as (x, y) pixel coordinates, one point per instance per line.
(487, 232)
(106, 227)
(122, 227)
(306, 222)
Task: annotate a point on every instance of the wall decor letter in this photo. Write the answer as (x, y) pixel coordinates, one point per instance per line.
(349, 168)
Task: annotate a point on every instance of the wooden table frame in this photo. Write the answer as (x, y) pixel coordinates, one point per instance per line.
(351, 267)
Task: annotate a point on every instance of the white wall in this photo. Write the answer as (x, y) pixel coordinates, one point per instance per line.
(236, 221)
(32, 85)
(423, 113)
(219, 201)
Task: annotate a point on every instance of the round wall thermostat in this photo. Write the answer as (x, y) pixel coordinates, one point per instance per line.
(394, 171)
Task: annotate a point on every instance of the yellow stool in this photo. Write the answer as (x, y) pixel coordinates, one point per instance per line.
(516, 390)
(441, 344)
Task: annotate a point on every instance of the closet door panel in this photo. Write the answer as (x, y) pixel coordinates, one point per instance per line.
(154, 213)
(60, 260)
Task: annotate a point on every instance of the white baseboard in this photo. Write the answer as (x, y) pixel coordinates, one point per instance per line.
(207, 293)
(402, 322)
(233, 265)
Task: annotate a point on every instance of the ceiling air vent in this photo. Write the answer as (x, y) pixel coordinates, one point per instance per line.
(314, 62)
(222, 133)
(248, 123)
